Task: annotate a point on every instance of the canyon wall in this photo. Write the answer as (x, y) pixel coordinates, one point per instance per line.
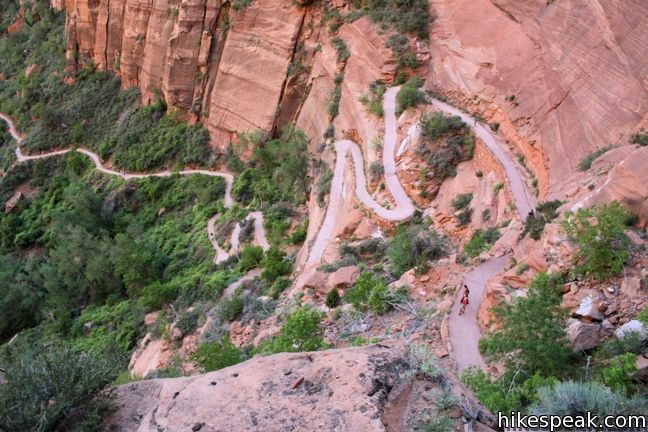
(569, 76)
(563, 79)
(225, 67)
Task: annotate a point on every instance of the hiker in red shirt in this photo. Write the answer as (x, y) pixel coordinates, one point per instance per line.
(464, 300)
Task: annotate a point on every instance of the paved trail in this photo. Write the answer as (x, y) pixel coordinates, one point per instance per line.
(464, 332)
(221, 254)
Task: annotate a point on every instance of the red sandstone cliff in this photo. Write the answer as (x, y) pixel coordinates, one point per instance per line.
(562, 79)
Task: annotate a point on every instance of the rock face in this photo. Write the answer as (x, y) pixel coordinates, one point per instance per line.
(200, 55)
(341, 390)
(563, 78)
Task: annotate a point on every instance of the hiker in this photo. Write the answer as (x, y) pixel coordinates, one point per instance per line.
(464, 300)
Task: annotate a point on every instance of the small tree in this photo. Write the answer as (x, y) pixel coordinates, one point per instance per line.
(212, 356)
(302, 331)
(600, 234)
(531, 338)
(42, 386)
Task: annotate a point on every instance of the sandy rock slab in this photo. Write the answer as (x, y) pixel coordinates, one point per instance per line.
(335, 390)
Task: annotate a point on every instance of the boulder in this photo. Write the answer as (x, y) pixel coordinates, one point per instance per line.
(588, 310)
(633, 326)
(642, 369)
(332, 390)
(344, 277)
(583, 336)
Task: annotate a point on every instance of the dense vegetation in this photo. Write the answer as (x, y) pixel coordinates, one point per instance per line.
(405, 16)
(84, 256)
(443, 156)
(599, 233)
(544, 213)
(543, 374)
(91, 111)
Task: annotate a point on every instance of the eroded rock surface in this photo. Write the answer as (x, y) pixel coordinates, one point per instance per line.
(335, 390)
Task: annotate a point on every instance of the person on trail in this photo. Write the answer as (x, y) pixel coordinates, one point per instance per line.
(464, 300)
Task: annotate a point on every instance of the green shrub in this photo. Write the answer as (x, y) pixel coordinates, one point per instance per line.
(409, 95)
(299, 235)
(333, 298)
(578, 398)
(464, 217)
(462, 201)
(302, 331)
(415, 246)
(481, 241)
(358, 294)
(506, 393)
(376, 170)
(41, 386)
(640, 138)
(275, 264)
(619, 374)
(406, 16)
(437, 124)
(279, 286)
(188, 321)
(213, 356)
(586, 163)
(158, 294)
(599, 232)
(231, 308)
(531, 335)
(544, 214)
(250, 257)
(333, 107)
(341, 49)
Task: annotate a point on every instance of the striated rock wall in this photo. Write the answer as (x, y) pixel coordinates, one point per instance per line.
(575, 72)
(226, 67)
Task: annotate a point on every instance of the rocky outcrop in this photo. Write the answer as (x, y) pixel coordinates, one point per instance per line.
(342, 389)
(562, 78)
(228, 67)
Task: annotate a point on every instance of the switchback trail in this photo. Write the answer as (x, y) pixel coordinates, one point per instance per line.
(221, 254)
(464, 332)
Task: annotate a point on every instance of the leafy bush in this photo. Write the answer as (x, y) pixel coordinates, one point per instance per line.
(231, 308)
(333, 298)
(506, 393)
(415, 246)
(458, 146)
(406, 16)
(275, 264)
(250, 257)
(409, 95)
(373, 100)
(324, 186)
(42, 386)
(302, 331)
(579, 398)
(333, 107)
(531, 335)
(619, 374)
(535, 222)
(370, 292)
(600, 234)
(341, 49)
(278, 287)
(437, 124)
(481, 241)
(640, 138)
(149, 139)
(586, 163)
(462, 201)
(213, 356)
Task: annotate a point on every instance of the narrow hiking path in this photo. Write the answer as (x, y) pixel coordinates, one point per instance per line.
(464, 331)
(221, 254)
(404, 206)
